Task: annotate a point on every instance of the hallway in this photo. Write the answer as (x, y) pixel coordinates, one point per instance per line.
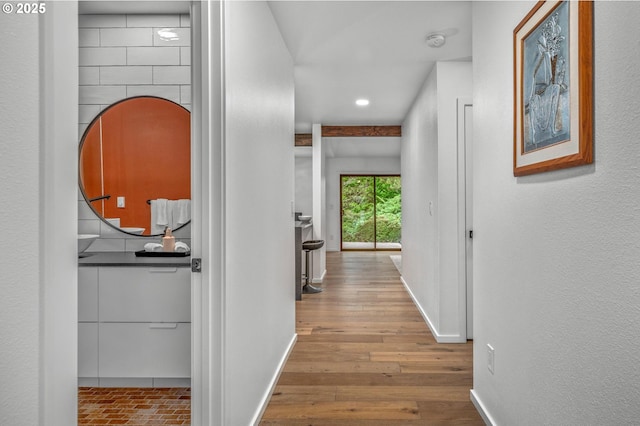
(365, 356)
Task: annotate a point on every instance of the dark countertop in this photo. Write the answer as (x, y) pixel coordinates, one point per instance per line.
(129, 258)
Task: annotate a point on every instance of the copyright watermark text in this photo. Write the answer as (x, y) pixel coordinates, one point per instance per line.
(24, 8)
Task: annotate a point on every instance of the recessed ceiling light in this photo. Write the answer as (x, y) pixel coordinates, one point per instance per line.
(362, 102)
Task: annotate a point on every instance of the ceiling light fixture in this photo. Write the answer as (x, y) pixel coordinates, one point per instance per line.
(436, 40)
(362, 102)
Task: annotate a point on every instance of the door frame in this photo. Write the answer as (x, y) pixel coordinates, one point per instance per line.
(58, 399)
(465, 222)
(375, 242)
(207, 232)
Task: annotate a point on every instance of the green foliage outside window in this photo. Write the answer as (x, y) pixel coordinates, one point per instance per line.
(359, 209)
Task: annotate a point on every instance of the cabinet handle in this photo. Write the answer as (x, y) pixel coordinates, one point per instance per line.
(164, 325)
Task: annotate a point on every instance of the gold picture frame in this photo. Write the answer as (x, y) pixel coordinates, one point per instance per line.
(553, 87)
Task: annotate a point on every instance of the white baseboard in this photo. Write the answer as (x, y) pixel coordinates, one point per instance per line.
(440, 338)
(482, 410)
(319, 280)
(274, 381)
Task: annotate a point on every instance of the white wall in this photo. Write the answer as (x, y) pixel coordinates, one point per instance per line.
(350, 165)
(304, 185)
(430, 231)
(38, 120)
(319, 184)
(556, 254)
(259, 189)
(121, 56)
(419, 165)
(20, 304)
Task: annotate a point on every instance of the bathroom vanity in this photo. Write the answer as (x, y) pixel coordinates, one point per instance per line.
(134, 320)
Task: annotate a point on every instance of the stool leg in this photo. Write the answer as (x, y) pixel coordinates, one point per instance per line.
(308, 288)
(306, 267)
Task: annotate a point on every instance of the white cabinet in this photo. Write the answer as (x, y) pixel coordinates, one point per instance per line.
(88, 294)
(145, 295)
(88, 349)
(134, 324)
(145, 350)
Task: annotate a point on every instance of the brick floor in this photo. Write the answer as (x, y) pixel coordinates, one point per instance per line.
(134, 406)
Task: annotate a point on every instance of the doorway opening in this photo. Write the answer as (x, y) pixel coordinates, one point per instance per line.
(370, 212)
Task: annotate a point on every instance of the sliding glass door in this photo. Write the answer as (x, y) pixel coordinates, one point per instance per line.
(371, 217)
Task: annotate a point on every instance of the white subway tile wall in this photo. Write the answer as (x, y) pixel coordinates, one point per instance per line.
(126, 37)
(171, 92)
(89, 37)
(101, 95)
(155, 55)
(185, 56)
(122, 56)
(172, 75)
(126, 75)
(96, 56)
(89, 76)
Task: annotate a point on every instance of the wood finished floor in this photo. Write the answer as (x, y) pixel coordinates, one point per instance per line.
(134, 406)
(365, 357)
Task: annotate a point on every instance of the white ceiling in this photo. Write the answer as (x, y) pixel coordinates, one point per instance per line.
(343, 51)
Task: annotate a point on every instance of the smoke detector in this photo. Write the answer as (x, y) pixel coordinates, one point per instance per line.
(436, 40)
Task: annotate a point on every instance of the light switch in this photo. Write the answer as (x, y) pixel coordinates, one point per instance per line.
(120, 203)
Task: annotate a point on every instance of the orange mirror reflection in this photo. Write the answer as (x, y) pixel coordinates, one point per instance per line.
(136, 151)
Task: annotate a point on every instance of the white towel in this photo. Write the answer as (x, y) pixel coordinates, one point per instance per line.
(159, 216)
(182, 214)
(153, 247)
(172, 213)
(180, 246)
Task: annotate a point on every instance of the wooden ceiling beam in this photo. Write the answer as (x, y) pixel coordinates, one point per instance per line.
(364, 131)
(303, 139)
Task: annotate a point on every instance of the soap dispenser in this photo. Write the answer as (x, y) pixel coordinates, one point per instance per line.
(168, 241)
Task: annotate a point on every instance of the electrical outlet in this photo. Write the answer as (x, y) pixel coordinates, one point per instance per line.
(120, 202)
(491, 357)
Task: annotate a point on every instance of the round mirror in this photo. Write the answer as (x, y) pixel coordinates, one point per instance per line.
(135, 165)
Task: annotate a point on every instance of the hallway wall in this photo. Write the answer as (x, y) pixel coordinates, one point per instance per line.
(430, 202)
(556, 254)
(259, 294)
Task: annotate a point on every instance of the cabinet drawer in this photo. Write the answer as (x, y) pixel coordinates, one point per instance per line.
(145, 350)
(144, 294)
(87, 294)
(88, 349)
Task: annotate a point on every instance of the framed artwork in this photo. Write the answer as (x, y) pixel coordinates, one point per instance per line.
(553, 87)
